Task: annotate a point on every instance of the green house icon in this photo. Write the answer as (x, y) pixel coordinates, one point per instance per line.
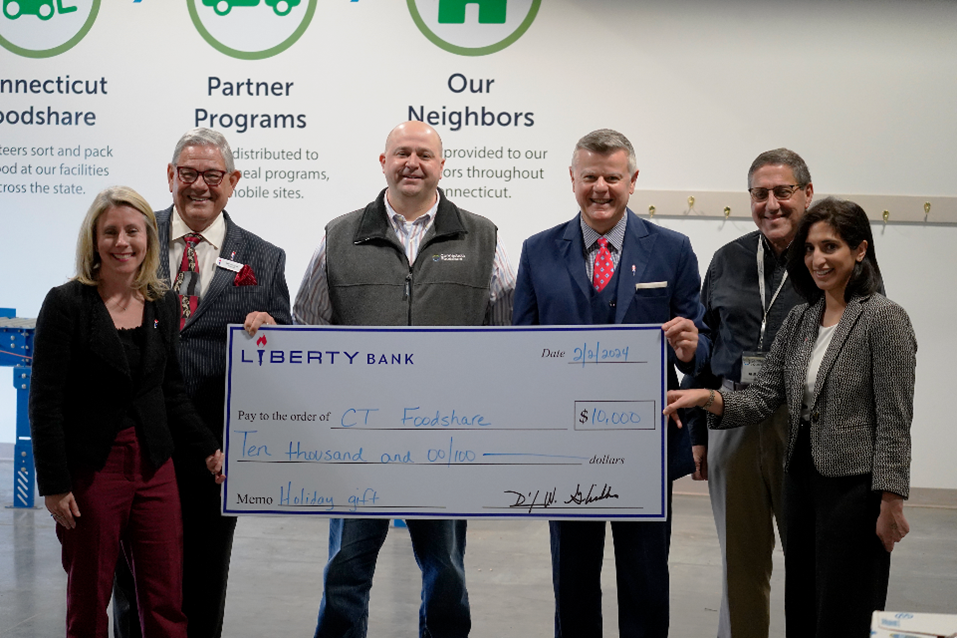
(490, 11)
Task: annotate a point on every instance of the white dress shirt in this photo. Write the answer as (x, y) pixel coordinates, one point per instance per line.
(207, 251)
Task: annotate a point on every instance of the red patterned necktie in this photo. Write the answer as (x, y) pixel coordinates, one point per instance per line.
(604, 266)
(186, 285)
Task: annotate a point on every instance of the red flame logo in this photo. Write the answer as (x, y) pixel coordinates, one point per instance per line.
(261, 341)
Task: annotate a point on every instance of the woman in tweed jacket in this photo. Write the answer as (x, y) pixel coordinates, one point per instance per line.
(844, 362)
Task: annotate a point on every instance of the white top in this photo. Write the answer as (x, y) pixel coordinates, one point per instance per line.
(817, 355)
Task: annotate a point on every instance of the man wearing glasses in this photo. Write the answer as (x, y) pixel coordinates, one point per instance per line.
(747, 296)
(222, 274)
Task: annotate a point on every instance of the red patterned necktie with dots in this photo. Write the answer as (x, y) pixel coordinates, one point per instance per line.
(186, 285)
(604, 266)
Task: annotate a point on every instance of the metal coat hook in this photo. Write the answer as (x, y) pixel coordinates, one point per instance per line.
(690, 203)
(727, 212)
(887, 215)
(926, 210)
(651, 211)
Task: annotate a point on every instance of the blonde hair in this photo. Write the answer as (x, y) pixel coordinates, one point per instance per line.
(147, 281)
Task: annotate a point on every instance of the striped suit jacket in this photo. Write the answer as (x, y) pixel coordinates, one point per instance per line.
(202, 347)
(863, 400)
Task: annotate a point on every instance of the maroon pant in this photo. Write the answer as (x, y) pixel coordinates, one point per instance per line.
(127, 505)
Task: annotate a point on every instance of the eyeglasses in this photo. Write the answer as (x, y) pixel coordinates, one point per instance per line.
(781, 193)
(188, 175)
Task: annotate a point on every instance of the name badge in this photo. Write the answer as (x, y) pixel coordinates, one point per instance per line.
(751, 362)
(228, 264)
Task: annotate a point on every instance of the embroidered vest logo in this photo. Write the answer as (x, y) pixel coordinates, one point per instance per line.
(448, 257)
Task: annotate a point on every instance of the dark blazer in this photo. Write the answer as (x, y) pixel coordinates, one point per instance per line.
(863, 399)
(202, 351)
(82, 388)
(553, 289)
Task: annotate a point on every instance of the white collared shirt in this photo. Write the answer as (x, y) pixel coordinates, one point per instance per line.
(207, 251)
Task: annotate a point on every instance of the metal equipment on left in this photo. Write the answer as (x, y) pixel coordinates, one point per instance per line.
(16, 351)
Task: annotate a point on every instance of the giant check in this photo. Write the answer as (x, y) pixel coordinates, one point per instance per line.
(553, 422)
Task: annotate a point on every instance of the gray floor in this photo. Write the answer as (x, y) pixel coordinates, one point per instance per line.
(276, 577)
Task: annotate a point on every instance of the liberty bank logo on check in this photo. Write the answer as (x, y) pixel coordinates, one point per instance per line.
(320, 357)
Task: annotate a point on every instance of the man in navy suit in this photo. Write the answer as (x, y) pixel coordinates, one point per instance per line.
(607, 266)
(240, 278)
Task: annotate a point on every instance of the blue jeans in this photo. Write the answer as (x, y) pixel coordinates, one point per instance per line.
(354, 543)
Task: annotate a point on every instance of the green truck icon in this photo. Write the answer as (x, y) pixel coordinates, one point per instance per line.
(43, 9)
(490, 11)
(222, 7)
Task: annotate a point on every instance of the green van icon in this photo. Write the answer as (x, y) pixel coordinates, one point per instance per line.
(222, 7)
(43, 9)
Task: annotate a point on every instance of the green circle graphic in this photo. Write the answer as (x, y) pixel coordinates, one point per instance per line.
(57, 50)
(492, 48)
(251, 55)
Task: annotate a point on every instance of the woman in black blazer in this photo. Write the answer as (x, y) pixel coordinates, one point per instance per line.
(107, 406)
(844, 362)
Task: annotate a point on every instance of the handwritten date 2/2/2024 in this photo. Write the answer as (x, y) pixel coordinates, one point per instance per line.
(599, 354)
(549, 497)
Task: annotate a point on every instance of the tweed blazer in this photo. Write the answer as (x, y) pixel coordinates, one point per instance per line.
(82, 388)
(202, 348)
(863, 400)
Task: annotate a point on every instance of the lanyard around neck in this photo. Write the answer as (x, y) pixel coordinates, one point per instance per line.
(766, 308)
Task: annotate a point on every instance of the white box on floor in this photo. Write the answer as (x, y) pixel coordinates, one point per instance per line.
(899, 624)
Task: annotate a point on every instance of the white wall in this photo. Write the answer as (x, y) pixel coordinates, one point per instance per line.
(863, 90)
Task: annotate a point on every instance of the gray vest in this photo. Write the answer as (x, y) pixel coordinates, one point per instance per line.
(371, 282)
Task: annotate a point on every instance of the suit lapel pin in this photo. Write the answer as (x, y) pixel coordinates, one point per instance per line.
(632, 270)
(156, 323)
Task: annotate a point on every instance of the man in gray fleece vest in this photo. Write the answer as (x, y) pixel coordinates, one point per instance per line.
(411, 257)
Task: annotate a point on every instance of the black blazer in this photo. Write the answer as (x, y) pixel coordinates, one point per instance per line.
(82, 388)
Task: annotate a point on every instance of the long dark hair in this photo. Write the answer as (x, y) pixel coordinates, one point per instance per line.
(850, 222)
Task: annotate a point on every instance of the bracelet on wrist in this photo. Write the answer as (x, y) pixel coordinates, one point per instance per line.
(710, 401)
